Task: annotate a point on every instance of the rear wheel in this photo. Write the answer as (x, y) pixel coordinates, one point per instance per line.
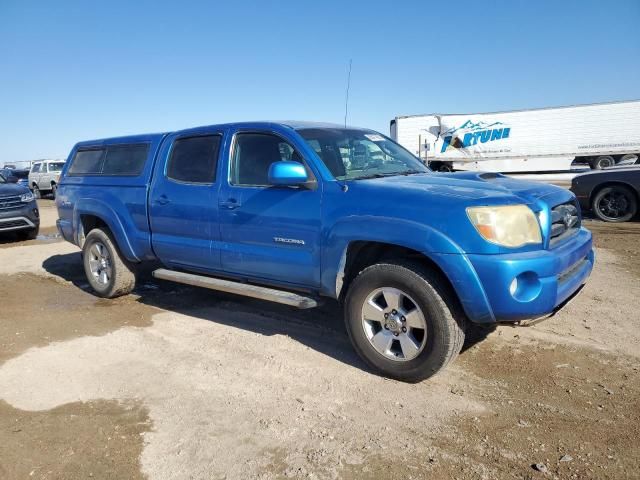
(603, 161)
(615, 204)
(108, 272)
(403, 320)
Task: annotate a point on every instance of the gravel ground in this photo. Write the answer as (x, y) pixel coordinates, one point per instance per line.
(179, 382)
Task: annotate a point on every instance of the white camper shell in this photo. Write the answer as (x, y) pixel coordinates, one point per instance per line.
(540, 140)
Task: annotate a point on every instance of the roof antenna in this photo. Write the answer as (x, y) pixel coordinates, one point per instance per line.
(346, 100)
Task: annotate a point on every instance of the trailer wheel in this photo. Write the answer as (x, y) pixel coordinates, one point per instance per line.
(629, 158)
(603, 161)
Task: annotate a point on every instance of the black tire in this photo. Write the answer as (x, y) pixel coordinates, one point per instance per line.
(615, 204)
(603, 161)
(121, 279)
(36, 192)
(444, 319)
(54, 190)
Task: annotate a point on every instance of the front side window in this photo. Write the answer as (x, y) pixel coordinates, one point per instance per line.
(356, 154)
(253, 155)
(35, 168)
(194, 159)
(87, 162)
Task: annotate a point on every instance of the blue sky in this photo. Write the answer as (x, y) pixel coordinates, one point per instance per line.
(79, 70)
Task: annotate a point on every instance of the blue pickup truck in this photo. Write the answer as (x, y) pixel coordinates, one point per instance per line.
(293, 212)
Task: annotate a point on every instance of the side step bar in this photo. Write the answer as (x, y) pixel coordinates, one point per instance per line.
(237, 288)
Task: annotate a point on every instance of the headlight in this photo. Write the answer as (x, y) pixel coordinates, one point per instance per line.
(509, 225)
(26, 197)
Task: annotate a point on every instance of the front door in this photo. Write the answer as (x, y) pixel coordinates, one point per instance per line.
(183, 202)
(268, 232)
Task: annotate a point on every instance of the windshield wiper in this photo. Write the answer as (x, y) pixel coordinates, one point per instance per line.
(389, 174)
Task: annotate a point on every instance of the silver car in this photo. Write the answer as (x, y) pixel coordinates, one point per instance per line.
(44, 177)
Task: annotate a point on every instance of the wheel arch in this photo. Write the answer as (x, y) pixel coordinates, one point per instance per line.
(90, 214)
(361, 254)
(612, 183)
(454, 269)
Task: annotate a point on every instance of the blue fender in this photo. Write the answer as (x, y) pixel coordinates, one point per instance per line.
(434, 245)
(100, 209)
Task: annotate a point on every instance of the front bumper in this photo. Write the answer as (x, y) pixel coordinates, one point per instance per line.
(527, 285)
(24, 218)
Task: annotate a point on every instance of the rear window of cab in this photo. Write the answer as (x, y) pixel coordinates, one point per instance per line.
(112, 160)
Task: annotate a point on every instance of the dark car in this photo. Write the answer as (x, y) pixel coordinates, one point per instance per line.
(612, 195)
(18, 210)
(13, 175)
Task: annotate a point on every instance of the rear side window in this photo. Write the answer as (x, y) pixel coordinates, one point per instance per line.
(194, 159)
(56, 167)
(125, 160)
(113, 160)
(87, 162)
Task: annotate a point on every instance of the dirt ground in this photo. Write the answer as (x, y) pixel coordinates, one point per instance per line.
(179, 382)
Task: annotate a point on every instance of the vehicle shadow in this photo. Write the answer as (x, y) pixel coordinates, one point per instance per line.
(321, 329)
(10, 237)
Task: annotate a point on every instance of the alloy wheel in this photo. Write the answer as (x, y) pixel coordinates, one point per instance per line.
(394, 324)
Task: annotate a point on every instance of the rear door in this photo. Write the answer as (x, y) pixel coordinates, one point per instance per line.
(183, 207)
(269, 232)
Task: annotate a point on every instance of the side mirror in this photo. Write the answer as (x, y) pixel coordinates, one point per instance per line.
(287, 174)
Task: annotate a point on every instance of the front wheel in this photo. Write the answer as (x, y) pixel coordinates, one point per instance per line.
(108, 272)
(36, 192)
(403, 320)
(615, 204)
(54, 190)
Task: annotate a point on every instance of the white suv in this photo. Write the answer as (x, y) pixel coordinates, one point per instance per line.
(44, 177)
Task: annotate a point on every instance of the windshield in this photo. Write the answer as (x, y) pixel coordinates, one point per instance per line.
(2, 179)
(56, 167)
(357, 154)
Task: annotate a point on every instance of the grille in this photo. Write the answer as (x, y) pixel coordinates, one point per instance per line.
(13, 223)
(10, 203)
(565, 221)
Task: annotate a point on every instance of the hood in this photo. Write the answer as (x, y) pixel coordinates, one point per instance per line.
(477, 187)
(11, 189)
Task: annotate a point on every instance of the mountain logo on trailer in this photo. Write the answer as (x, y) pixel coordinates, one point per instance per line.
(474, 133)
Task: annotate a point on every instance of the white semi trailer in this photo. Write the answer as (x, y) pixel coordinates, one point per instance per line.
(539, 140)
